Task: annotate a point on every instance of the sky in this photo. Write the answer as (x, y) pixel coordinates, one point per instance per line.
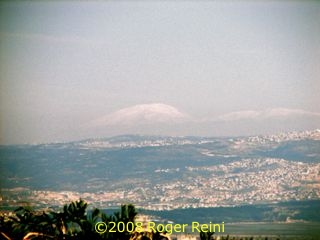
(80, 69)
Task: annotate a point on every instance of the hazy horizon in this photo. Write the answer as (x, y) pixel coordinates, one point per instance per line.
(77, 70)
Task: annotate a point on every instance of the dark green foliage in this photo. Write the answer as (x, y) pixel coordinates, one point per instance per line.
(72, 222)
(206, 235)
(127, 214)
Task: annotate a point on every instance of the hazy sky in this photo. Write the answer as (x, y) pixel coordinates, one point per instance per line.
(220, 68)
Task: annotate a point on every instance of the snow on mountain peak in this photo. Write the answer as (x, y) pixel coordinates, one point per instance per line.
(144, 113)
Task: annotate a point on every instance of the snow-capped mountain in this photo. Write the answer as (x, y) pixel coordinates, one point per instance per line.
(143, 114)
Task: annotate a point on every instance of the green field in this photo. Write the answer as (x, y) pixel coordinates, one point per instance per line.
(299, 230)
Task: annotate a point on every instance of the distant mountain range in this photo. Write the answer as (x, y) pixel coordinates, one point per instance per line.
(133, 141)
(164, 119)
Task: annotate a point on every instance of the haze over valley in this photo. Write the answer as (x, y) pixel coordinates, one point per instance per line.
(190, 110)
(159, 172)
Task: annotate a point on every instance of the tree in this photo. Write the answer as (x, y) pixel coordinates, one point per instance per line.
(206, 235)
(72, 223)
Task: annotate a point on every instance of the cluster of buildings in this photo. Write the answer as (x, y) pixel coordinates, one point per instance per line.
(247, 181)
